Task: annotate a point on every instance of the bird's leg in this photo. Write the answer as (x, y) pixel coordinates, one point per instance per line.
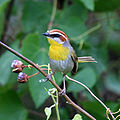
(49, 76)
(64, 87)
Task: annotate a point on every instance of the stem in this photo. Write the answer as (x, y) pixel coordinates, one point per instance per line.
(56, 107)
(44, 69)
(91, 94)
(53, 83)
(33, 74)
(87, 32)
(28, 66)
(7, 17)
(57, 97)
(57, 110)
(53, 14)
(116, 112)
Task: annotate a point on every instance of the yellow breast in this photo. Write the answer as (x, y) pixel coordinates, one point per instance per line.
(57, 51)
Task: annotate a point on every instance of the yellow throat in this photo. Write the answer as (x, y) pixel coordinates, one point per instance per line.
(57, 51)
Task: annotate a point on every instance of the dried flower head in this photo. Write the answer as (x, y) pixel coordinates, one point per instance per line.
(17, 65)
(22, 77)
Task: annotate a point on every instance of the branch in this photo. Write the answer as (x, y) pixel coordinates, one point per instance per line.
(53, 14)
(7, 17)
(107, 109)
(45, 74)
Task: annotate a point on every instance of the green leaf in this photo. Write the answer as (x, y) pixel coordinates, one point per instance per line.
(31, 45)
(72, 19)
(95, 109)
(88, 4)
(73, 16)
(58, 77)
(38, 91)
(86, 76)
(3, 5)
(34, 49)
(64, 113)
(103, 6)
(77, 117)
(48, 112)
(11, 107)
(5, 65)
(36, 15)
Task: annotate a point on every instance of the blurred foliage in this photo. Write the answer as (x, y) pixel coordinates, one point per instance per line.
(3, 5)
(28, 20)
(11, 107)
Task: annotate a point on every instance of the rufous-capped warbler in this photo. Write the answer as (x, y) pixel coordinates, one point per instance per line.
(62, 56)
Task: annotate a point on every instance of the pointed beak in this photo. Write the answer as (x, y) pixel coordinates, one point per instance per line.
(46, 34)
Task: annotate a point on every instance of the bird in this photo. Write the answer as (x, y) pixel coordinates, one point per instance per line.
(62, 56)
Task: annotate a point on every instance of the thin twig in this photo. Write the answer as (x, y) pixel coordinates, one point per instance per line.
(87, 32)
(53, 14)
(91, 94)
(7, 17)
(30, 66)
(45, 74)
(33, 75)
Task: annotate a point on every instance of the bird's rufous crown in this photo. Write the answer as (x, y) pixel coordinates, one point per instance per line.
(63, 37)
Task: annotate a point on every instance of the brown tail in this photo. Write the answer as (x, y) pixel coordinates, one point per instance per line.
(86, 59)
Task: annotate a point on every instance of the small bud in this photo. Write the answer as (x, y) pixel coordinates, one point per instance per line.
(22, 77)
(17, 65)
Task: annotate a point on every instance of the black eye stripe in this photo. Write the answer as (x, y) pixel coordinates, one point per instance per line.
(55, 35)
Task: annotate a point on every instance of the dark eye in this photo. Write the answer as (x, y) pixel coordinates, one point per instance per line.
(54, 35)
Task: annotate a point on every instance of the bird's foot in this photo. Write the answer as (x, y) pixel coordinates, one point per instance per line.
(62, 92)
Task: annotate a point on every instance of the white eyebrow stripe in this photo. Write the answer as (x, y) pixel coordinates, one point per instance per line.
(59, 33)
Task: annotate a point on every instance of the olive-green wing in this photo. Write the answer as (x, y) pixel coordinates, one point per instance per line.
(75, 60)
